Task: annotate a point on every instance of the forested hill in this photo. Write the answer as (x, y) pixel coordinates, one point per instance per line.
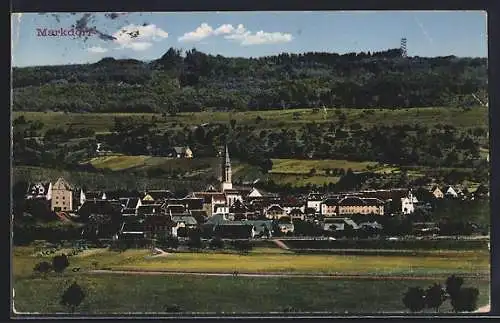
(194, 81)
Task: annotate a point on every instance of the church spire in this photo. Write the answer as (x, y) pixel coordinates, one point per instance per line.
(228, 161)
(226, 173)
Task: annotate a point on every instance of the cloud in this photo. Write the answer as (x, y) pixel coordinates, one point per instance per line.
(97, 49)
(240, 34)
(200, 33)
(224, 29)
(138, 37)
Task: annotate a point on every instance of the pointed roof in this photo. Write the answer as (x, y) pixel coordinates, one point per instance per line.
(228, 161)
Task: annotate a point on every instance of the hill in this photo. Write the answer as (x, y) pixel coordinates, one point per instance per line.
(196, 81)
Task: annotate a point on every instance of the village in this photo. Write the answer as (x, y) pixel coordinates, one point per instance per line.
(239, 212)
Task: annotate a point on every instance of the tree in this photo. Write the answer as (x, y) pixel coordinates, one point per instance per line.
(60, 262)
(414, 299)
(465, 300)
(43, 267)
(195, 239)
(72, 297)
(453, 285)
(435, 295)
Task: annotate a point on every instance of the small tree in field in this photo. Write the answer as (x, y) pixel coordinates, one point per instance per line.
(59, 263)
(43, 267)
(435, 295)
(465, 300)
(453, 285)
(414, 299)
(72, 297)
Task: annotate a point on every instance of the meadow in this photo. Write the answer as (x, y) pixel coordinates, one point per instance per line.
(116, 293)
(102, 122)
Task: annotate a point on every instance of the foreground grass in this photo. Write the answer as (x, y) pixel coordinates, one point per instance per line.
(114, 293)
(141, 294)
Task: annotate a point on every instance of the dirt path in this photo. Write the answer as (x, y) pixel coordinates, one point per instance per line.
(284, 275)
(281, 244)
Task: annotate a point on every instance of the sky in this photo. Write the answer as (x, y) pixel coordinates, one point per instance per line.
(147, 36)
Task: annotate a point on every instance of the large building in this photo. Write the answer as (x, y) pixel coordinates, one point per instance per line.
(62, 196)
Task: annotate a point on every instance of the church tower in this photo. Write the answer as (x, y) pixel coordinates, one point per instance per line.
(226, 173)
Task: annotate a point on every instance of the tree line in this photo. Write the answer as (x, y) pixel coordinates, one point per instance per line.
(195, 81)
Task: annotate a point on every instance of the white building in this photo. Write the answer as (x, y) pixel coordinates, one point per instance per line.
(408, 203)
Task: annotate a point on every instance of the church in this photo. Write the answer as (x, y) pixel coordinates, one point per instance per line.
(219, 201)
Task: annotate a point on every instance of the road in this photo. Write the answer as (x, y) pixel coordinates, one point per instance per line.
(283, 275)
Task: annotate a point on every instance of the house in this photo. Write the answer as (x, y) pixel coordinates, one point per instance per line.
(408, 203)
(185, 221)
(290, 204)
(39, 191)
(177, 209)
(193, 203)
(99, 207)
(357, 205)
(275, 211)
(78, 198)
(95, 195)
(150, 209)
(180, 152)
(220, 208)
(297, 214)
(314, 201)
(232, 196)
(451, 192)
(438, 194)
(119, 194)
(329, 207)
(255, 193)
(157, 195)
(210, 199)
(239, 211)
(62, 196)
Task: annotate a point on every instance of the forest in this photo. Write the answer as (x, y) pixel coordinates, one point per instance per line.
(193, 81)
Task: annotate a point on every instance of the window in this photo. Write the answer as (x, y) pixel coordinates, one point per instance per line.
(63, 197)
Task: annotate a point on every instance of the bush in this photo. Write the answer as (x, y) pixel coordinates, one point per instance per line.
(453, 285)
(414, 299)
(465, 300)
(43, 267)
(72, 297)
(59, 263)
(435, 295)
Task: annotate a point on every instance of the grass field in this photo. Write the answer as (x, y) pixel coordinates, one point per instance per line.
(262, 260)
(142, 294)
(114, 293)
(296, 166)
(102, 122)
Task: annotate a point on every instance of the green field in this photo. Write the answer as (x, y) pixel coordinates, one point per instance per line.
(102, 122)
(115, 293)
(296, 166)
(108, 294)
